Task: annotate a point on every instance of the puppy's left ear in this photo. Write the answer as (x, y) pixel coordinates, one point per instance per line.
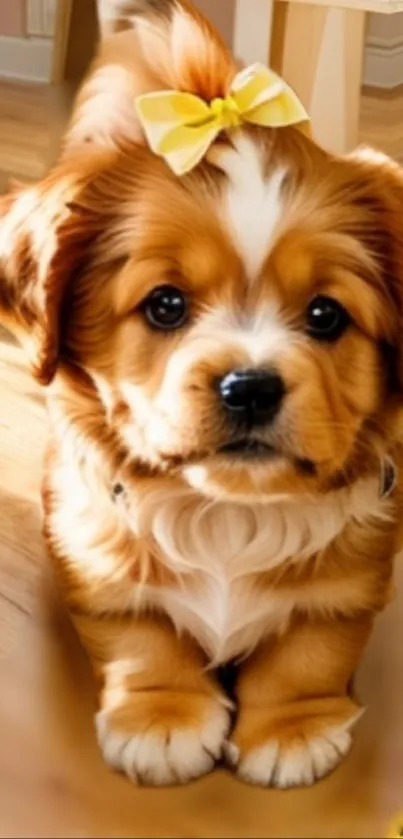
(378, 183)
(43, 239)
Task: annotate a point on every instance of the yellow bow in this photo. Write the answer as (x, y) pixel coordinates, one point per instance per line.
(181, 127)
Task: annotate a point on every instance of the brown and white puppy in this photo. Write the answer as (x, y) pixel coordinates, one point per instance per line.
(225, 375)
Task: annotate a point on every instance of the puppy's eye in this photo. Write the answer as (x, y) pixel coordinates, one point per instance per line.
(326, 319)
(166, 308)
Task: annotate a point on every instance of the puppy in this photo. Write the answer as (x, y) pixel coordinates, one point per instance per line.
(223, 359)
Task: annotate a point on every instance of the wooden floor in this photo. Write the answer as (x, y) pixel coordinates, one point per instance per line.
(32, 120)
(53, 782)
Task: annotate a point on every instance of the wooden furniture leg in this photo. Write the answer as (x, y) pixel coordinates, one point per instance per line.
(321, 57)
(61, 40)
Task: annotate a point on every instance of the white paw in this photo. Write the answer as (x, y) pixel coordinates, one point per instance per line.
(278, 765)
(163, 757)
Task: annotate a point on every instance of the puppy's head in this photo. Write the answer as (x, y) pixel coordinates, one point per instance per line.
(241, 324)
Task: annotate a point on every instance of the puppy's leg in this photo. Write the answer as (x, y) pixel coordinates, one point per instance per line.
(162, 718)
(295, 712)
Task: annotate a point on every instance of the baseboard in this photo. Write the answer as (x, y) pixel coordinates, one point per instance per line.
(383, 63)
(26, 59)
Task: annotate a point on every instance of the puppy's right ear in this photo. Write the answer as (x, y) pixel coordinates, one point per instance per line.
(43, 241)
(148, 45)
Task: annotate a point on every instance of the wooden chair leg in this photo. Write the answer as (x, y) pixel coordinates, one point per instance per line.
(322, 58)
(61, 40)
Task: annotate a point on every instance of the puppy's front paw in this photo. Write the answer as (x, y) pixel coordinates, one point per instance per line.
(294, 747)
(164, 738)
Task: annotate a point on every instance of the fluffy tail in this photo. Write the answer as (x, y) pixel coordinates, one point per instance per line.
(146, 45)
(179, 45)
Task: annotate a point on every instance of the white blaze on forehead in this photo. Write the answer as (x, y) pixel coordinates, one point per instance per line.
(268, 334)
(252, 201)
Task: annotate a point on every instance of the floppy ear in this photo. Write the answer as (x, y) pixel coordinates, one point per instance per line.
(147, 45)
(379, 184)
(43, 240)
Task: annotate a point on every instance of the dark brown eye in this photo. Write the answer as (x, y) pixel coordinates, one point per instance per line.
(326, 319)
(166, 308)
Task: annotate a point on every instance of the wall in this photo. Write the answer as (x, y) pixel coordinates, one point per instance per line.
(12, 17)
(26, 36)
(25, 18)
(221, 12)
(385, 26)
(384, 52)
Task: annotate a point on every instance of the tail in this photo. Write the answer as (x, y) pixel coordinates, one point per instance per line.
(146, 45)
(178, 43)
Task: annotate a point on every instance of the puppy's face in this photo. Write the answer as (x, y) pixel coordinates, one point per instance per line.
(236, 323)
(240, 324)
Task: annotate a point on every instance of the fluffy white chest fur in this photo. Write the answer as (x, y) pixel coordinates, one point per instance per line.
(217, 549)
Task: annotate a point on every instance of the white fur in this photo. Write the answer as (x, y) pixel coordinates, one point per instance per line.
(15, 219)
(267, 336)
(162, 758)
(252, 201)
(214, 550)
(217, 548)
(299, 765)
(262, 335)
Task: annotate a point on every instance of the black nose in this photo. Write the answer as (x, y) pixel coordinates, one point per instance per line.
(253, 396)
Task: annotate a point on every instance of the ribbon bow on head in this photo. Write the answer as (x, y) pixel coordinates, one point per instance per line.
(181, 127)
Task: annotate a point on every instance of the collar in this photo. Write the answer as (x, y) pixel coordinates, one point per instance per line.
(389, 476)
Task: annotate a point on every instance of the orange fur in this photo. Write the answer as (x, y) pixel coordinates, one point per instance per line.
(280, 565)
